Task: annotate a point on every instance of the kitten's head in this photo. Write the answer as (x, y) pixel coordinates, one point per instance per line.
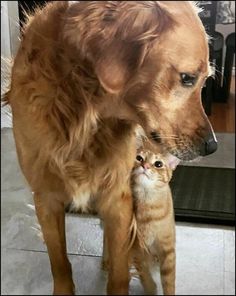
(152, 169)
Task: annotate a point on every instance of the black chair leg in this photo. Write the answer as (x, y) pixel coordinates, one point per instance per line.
(227, 73)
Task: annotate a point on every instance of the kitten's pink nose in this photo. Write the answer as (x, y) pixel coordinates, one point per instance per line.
(146, 165)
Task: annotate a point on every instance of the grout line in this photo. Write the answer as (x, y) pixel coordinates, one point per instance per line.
(84, 255)
(45, 252)
(25, 250)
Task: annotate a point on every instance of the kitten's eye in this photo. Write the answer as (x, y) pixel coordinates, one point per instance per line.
(188, 79)
(139, 158)
(158, 164)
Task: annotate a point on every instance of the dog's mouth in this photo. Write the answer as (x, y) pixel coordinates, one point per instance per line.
(184, 146)
(180, 148)
(185, 155)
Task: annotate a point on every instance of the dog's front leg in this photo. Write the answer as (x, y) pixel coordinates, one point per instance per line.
(51, 215)
(117, 219)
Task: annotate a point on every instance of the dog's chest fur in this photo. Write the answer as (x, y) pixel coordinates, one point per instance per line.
(81, 201)
(105, 167)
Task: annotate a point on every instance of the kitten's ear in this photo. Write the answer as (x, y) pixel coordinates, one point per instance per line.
(172, 161)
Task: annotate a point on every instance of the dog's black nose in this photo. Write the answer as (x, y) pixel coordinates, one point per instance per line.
(209, 145)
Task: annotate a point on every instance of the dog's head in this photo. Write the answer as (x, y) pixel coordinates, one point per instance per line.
(152, 56)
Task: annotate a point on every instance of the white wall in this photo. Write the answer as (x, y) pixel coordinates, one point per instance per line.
(5, 31)
(10, 29)
(14, 25)
(10, 34)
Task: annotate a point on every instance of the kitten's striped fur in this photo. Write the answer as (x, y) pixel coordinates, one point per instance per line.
(155, 239)
(153, 225)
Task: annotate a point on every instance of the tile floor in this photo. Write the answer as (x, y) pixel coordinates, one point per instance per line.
(205, 253)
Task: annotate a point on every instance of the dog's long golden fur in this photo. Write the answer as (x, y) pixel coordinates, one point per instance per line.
(84, 76)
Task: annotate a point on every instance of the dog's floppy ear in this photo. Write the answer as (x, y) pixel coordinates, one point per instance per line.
(115, 36)
(131, 35)
(117, 64)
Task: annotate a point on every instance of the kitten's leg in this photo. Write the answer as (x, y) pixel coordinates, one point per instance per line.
(142, 266)
(167, 266)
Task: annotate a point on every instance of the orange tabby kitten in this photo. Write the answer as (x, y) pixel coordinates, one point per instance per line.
(155, 224)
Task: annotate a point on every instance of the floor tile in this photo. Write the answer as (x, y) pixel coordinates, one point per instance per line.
(15, 202)
(199, 256)
(28, 273)
(229, 251)
(84, 236)
(199, 249)
(11, 175)
(25, 273)
(193, 281)
(20, 229)
(21, 233)
(229, 283)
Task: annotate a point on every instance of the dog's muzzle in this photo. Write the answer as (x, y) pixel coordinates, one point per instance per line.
(208, 145)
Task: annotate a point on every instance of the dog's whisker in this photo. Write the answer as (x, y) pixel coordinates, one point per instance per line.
(213, 69)
(216, 75)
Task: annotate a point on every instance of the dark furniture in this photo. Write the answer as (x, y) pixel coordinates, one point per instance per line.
(218, 45)
(208, 18)
(228, 66)
(218, 88)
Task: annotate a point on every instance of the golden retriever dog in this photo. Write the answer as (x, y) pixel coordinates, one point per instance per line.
(85, 74)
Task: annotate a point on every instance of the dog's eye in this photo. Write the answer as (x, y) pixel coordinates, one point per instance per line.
(158, 164)
(188, 79)
(139, 158)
